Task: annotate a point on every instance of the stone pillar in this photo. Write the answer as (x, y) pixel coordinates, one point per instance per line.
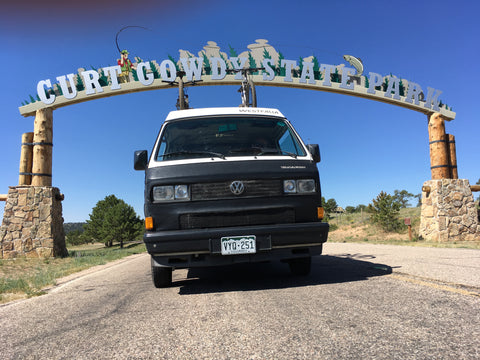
(32, 223)
(448, 211)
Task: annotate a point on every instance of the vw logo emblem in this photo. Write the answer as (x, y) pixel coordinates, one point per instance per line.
(237, 187)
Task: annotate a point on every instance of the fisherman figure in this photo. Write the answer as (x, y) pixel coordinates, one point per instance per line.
(126, 66)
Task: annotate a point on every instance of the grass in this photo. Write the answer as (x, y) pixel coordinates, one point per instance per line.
(356, 227)
(23, 278)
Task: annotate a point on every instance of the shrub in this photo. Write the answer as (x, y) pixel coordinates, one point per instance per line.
(385, 211)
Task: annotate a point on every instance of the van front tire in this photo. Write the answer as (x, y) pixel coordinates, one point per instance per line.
(161, 276)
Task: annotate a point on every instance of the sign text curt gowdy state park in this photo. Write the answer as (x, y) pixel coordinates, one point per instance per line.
(213, 67)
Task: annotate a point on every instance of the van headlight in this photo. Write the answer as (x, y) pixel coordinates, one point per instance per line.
(181, 192)
(306, 186)
(289, 186)
(303, 186)
(170, 193)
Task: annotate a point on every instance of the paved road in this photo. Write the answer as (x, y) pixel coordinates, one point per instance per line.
(360, 302)
(455, 266)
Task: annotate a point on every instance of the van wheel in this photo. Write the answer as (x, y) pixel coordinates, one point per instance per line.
(300, 266)
(161, 276)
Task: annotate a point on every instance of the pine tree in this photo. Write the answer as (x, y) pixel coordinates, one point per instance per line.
(206, 64)
(336, 76)
(112, 219)
(251, 62)
(170, 57)
(79, 84)
(156, 74)
(233, 53)
(316, 69)
(103, 79)
(226, 61)
(385, 211)
(329, 206)
(402, 88)
(300, 67)
(402, 197)
(266, 54)
(385, 85)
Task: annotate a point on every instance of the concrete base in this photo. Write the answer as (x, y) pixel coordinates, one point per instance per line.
(449, 212)
(32, 223)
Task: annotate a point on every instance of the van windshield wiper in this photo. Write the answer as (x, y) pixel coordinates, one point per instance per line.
(210, 153)
(279, 152)
(264, 151)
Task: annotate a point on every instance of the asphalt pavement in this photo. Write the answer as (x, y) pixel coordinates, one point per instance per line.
(448, 265)
(361, 301)
(453, 266)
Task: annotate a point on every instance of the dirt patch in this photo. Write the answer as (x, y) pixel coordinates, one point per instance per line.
(363, 233)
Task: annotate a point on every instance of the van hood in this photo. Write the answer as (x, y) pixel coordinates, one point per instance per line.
(231, 170)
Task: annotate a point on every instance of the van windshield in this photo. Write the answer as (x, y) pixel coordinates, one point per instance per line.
(227, 137)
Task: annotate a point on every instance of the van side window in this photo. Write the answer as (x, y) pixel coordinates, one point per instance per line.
(288, 144)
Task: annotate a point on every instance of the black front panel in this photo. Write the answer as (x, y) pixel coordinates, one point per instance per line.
(213, 203)
(237, 218)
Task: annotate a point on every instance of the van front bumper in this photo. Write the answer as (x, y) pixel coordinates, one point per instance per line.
(201, 247)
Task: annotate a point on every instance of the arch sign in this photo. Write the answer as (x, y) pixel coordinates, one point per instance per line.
(211, 66)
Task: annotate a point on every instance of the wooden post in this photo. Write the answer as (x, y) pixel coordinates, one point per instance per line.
(439, 163)
(26, 157)
(42, 148)
(452, 154)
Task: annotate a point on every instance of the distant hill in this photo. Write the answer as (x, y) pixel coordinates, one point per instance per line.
(69, 227)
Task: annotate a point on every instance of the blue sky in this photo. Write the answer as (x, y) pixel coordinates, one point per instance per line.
(367, 147)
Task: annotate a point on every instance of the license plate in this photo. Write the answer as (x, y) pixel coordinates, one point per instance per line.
(232, 245)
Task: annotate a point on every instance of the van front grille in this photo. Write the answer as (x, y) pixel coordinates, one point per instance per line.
(239, 218)
(252, 188)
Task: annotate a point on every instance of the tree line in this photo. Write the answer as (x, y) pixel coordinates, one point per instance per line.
(384, 210)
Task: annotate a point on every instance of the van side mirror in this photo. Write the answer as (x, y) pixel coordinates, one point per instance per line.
(140, 159)
(314, 149)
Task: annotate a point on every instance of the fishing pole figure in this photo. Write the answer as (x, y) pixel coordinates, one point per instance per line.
(124, 62)
(125, 65)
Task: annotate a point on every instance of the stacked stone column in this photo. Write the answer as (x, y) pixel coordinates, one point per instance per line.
(32, 223)
(448, 208)
(449, 212)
